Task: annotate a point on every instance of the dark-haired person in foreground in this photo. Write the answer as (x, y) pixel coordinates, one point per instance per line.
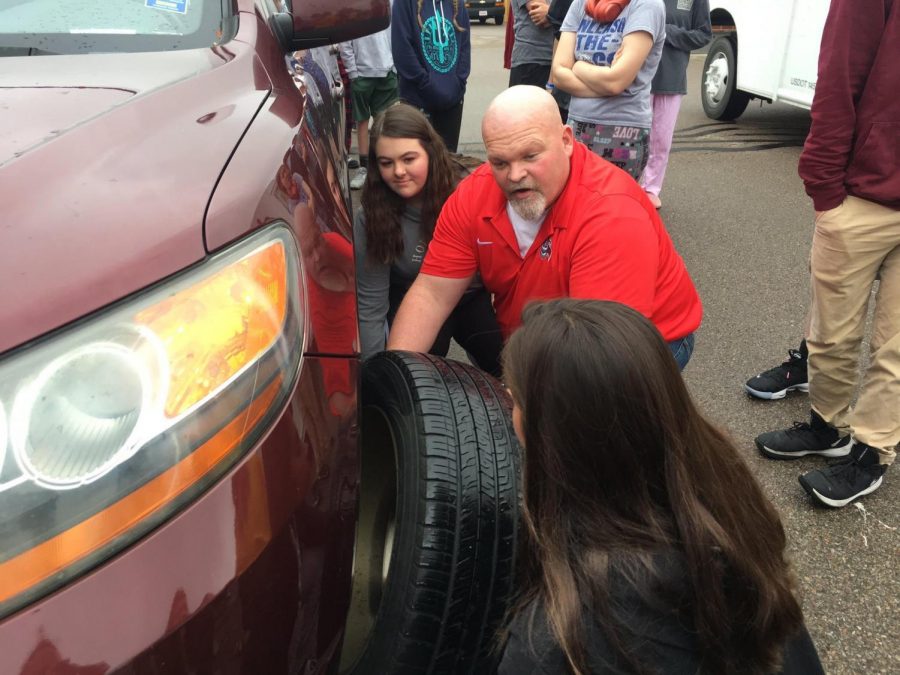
(547, 218)
(650, 547)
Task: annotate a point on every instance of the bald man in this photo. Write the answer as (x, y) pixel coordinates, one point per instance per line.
(547, 218)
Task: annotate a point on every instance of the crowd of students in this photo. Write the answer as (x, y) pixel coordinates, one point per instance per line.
(651, 547)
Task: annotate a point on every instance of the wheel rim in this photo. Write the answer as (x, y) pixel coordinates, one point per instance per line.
(375, 534)
(716, 80)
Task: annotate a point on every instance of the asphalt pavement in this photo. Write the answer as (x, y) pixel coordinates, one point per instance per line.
(736, 209)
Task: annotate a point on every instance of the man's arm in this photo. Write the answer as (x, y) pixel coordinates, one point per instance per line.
(613, 80)
(850, 40)
(424, 310)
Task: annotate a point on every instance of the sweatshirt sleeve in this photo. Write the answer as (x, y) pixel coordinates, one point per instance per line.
(404, 34)
(464, 67)
(853, 32)
(348, 56)
(372, 289)
(698, 35)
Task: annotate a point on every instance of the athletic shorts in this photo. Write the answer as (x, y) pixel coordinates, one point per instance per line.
(370, 95)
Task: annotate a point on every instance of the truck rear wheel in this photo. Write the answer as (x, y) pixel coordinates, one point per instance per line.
(722, 100)
(436, 538)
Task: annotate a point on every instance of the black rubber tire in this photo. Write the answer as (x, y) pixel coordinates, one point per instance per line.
(498, 20)
(451, 572)
(732, 102)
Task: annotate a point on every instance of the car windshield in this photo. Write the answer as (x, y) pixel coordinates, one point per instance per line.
(35, 27)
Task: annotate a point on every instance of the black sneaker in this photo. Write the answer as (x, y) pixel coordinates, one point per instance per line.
(353, 163)
(778, 381)
(813, 438)
(844, 481)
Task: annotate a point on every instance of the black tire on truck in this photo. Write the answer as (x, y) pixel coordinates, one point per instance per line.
(721, 98)
(437, 532)
(498, 19)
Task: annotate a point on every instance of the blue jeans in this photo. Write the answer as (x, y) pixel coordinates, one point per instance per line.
(682, 349)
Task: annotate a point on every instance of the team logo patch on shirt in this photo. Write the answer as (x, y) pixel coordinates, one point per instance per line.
(439, 44)
(546, 249)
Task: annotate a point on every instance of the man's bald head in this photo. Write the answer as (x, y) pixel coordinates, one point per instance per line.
(528, 148)
(520, 105)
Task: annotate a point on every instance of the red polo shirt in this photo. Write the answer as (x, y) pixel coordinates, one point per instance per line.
(602, 240)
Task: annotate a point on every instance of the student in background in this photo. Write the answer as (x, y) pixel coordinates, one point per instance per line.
(432, 52)
(607, 54)
(687, 28)
(373, 87)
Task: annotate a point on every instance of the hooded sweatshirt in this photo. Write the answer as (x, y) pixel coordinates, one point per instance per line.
(853, 145)
(432, 59)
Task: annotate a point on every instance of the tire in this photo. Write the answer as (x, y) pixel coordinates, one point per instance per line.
(498, 20)
(722, 100)
(430, 598)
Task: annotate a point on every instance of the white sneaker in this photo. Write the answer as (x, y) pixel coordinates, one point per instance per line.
(359, 179)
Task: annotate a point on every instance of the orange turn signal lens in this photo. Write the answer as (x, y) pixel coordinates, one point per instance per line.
(211, 331)
(119, 421)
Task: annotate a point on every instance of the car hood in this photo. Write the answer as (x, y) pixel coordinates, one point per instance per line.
(107, 163)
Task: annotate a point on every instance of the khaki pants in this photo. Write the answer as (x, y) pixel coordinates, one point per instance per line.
(851, 243)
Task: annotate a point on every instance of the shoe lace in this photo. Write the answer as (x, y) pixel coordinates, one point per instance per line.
(849, 468)
(800, 427)
(794, 355)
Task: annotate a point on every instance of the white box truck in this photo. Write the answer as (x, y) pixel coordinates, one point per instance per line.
(765, 49)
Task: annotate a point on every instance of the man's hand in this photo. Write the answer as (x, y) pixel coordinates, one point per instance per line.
(537, 11)
(424, 310)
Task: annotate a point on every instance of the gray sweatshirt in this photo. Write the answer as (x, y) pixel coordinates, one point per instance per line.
(369, 56)
(687, 28)
(374, 280)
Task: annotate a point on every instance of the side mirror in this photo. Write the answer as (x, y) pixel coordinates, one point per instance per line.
(313, 23)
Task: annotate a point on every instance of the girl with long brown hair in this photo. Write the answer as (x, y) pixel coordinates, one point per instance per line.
(412, 175)
(650, 545)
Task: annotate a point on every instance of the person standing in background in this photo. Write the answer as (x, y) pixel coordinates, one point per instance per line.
(606, 58)
(373, 87)
(532, 50)
(433, 55)
(687, 29)
(851, 169)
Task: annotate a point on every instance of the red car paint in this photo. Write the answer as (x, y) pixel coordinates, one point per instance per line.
(117, 171)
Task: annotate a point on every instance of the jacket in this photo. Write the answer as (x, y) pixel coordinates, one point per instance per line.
(853, 145)
(433, 59)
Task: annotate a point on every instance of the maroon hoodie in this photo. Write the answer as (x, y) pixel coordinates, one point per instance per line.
(853, 145)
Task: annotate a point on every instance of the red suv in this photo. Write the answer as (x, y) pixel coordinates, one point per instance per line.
(197, 474)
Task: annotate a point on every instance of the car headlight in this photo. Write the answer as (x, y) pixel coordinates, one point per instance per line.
(110, 426)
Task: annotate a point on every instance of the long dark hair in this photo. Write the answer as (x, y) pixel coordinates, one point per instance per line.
(621, 467)
(382, 206)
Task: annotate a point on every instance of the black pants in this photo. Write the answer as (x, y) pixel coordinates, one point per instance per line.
(473, 324)
(536, 74)
(447, 124)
